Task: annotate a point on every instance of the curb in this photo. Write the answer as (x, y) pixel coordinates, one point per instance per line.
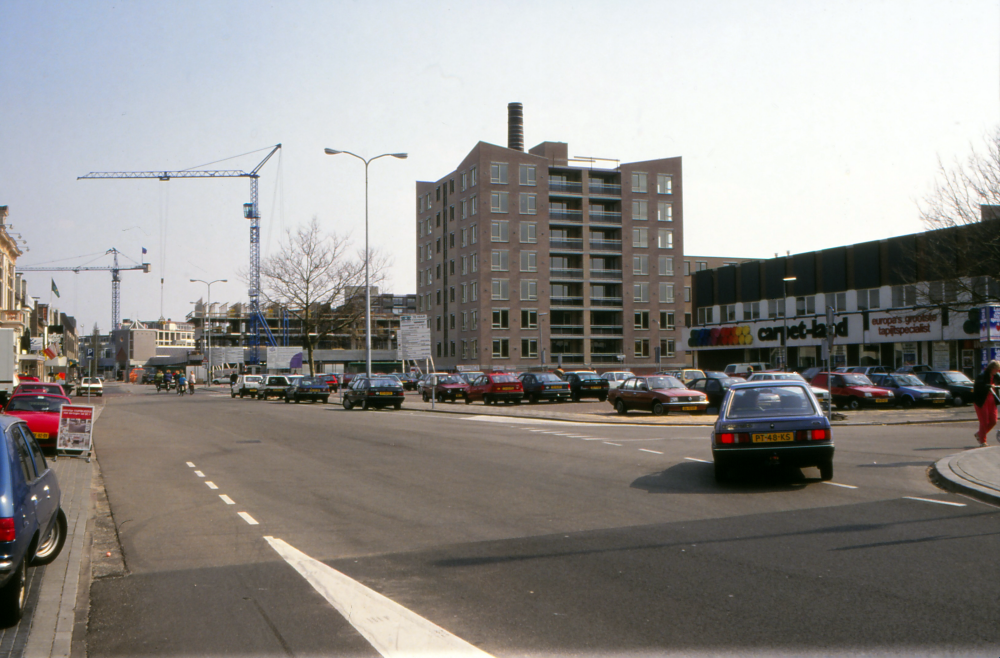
(943, 474)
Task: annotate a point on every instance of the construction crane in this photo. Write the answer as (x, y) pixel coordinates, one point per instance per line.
(116, 280)
(258, 325)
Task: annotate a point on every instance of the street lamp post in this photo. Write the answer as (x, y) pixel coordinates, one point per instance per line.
(541, 351)
(368, 301)
(784, 318)
(204, 328)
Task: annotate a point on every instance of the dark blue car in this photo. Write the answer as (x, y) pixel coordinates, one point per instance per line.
(32, 524)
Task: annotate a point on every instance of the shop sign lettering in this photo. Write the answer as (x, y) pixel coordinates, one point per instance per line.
(802, 330)
(904, 325)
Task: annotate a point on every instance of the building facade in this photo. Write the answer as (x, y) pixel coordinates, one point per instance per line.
(527, 259)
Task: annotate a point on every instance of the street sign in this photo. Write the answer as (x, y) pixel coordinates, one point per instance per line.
(414, 337)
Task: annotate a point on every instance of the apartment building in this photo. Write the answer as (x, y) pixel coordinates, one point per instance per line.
(527, 259)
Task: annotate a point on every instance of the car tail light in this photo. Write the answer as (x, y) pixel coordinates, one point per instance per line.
(812, 435)
(7, 532)
(727, 438)
(742, 437)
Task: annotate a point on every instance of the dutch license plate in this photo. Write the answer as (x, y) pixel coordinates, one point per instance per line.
(41, 435)
(773, 437)
(506, 388)
(938, 401)
(689, 408)
(460, 395)
(881, 400)
(592, 387)
(252, 390)
(385, 392)
(559, 386)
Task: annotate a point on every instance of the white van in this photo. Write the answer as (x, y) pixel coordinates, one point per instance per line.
(744, 370)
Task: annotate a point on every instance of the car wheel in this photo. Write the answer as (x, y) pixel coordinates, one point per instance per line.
(958, 401)
(231, 394)
(486, 400)
(517, 401)
(13, 596)
(426, 397)
(48, 550)
(347, 404)
(658, 409)
(287, 400)
(468, 400)
(906, 402)
(397, 406)
(620, 408)
(854, 404)
(602, 398)
(365, 406)
(533, 398)
(326, 398)
(826, 469)
(575, 397)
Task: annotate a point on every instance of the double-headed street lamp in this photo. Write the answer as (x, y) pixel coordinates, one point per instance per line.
(204, 328)
(368, 301)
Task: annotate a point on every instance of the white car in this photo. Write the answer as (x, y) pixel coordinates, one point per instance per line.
(616, 377)
(821, 394)
(246, 385)
(91, 385)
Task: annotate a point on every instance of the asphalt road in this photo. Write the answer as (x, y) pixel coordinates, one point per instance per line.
(360, 533)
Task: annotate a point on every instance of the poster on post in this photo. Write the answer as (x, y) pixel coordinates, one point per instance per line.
(76, 429)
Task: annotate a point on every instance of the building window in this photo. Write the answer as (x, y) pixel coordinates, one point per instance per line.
(472, 177)
(473, 205)
(640, 265)
(687, 293)
(529, 348)
(465, 320)
(527, 174)
(529, 232)
(640, 210)
(501, 289)
(475, 263)
(465, 209)
(437, 268)
(687, 268)
(805, 305)
(529, 261)
(498, 173)
(474, 290)
(475, 320)
(705, 315)
(465, 181)
(529, 319)
(664, 184)
(437, 193)
(666, 293)
(666, 265)
(640, 237)
(700, 265)
(438, 294)
(667, 348)
(465, 293)
(437, 219)
(439, 349)
(451, 213)
(665, 212)
(667, 320)
(451, 322)
(640, 293)
(501, 348)
(500, 260)
(869, 299)
(841, 302)
(473, 234)
(437, 246)
(528, 204)
(751, 310)
(529, 291)
(642, 348)
(775, 308)
(665, 238)
(465, 237)
(728, 313)
(465, 264)
(498, 202)
(438, 323)
(501, 318)
(465, 349)
(641, 320)
(451, 295)
(451, 240)
(905, 296)
(500, 231)
(638, 181)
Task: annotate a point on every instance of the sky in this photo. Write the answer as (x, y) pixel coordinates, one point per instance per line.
(802, 125)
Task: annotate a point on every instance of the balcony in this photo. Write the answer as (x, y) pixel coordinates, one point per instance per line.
(573, 244)
(606, 245)
(566, 273)
(596, 357)
(606, 274)
(606, 330)
(614, 302)
(605, 217)
(575, 216)
(605, 189)
(566, 330)
(569, 187)
(567, 301)
(567, 357)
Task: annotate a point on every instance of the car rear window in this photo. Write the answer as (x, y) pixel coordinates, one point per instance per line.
(548, 377)
(384, 382)
(504, 379)
(40, 403)
(855, 380)
(767, 402)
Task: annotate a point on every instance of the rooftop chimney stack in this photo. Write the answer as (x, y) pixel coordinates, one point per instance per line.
(515, 126)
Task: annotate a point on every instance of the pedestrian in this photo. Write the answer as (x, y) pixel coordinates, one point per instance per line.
(181, 384)
(233, 377)
(984, 400)
(191, 383)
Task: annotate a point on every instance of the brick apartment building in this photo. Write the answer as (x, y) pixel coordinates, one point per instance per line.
(530, 258)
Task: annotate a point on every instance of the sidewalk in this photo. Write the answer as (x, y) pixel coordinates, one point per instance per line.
(974, 472)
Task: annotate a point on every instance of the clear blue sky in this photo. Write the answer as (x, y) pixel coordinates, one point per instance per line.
(802, 125)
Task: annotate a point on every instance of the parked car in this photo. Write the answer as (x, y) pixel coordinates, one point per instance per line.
(910, 390)
(377, 392)
(426, 383)
(714, 386)
(449, 387)
(409, 381)
(90, 385)
(330, 379)
(744, 370)
(769, 424)
(496, 387)
(471, 375)
(586, 384)
(658, 394)
(821, 394)
(41, 412)
(307, 388)
(852, 391)
(953, 381)
(616, 377)
(868, 371)
(45, 388)
(246, 385)
(686, 375)
(544, 386)
(914, 369)
(32, 523)
(272, 386)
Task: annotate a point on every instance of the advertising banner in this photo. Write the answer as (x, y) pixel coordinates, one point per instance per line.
(989, 323)
(76, 428)
(414, 337)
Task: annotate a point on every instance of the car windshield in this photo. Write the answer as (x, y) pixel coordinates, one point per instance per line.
(451, 379)
(588, 376)
(664, 382)
(908, 380)
(776, 402)
(252, 378)
(856, 380)
(505, 379)
(548, 377)
(35, 403)
(88, 380)
(307, 381)
(384, 381)
(956, 378)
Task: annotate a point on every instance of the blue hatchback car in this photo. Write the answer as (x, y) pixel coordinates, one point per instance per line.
(32, 524)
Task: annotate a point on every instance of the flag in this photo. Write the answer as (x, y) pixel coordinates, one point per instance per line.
(50, 352)
(143, 251)
(54, 288)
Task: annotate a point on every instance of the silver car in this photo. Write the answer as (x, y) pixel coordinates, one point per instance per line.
(821, 394)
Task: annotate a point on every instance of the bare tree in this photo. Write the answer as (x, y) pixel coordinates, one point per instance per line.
(315, 277)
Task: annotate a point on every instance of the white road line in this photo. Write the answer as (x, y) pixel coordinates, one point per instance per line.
(391, 629)
(700, 461)
(246, 517)
(199, 474)
(211, 485)
(536, 430)
(655, 452)
(612, 444)
(227, 500)
(599, 438)
(939, 502)
(837, 484)
(190, 465)
(569, 435)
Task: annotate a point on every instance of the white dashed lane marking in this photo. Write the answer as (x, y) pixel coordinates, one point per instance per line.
(199, 474)
(210, 485)
(612, 444)
(700, 461)
(837, 484)
(246, 517)
(226, 499)
(655, 452)
(939, 502)
(190, 465)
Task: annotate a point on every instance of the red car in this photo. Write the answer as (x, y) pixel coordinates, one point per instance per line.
(658, 394)
(45, 388)
(496, 387)
(449, 387)
(41, 413)
(853, 390)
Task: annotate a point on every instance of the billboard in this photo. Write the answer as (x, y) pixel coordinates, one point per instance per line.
(989, 323)
(414, 337)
